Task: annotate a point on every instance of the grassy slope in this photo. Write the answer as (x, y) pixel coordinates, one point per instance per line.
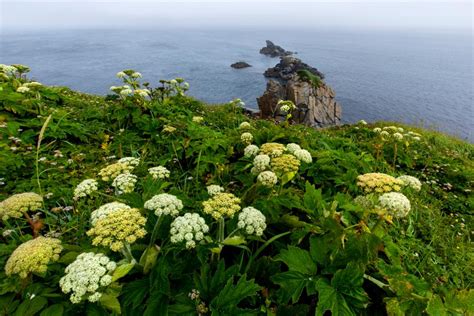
(85, 131)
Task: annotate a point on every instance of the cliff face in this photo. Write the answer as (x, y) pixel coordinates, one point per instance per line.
(316, 104)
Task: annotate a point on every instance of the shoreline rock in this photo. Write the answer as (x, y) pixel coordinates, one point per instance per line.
(288, 67)
(240, 65)
(273, 50)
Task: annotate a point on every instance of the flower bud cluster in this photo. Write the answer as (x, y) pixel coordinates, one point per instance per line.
(87, 277)
(222, 205)
(260, 163)
(246, 138)
(267, 179)
(252, 221)
(378, 183)
(33, 256)
(245, 125)
(251, 150)
(303, 155)
(112, 171)
(189, 228)
(106, 209)
(164, 204)
(120, 227)
(292, 147)
(272, 149)
(17, 204)
(159, 172)
(130, 161)
(85, 188)
(124, 183)
(284, 164)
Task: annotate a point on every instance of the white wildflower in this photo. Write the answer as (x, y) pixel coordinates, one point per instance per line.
(411, 182)
(214, 189)
(251, 150)
(292, 147)
(130, 161)
(121, 74)
(246, 138)
(124, 183)
(164, 204)
(159, 172)
(303, 155)
(252, 221)
(189, 228)
(267, 178)
(106, 209)
(85, 188)
(395, 203)
(245, 125)
(260, 163)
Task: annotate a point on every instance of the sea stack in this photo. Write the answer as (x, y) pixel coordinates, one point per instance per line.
(273, 50)
(296, 81)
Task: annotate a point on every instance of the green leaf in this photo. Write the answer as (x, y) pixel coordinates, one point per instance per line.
(298, 260)
(231, 295)
(436, 307)
(313, 200)
(29, 307)
(348, 282)
(53, 310)
(122, 271)
(287, 177)
(292, 284)
(330, 300)
(110, 302)
(234, 241)
(148, 258)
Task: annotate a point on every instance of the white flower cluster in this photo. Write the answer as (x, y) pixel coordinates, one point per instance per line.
(246, 138)
(142, 92)
(411, 182)
(245, 125)
(214, 189)
(124, 183)
(189, 228)
(267, 178)
(106, 209)
(159, 172)
(394, 132)
(198, 119)
(251, 150)
(260, 163)
(303, 155)
(130, 161)
(286, 106)
(362, 122)
(395, 203)
(252, 220)
(8, 69)
(292, 147)
(164, 204)
(85, 188)
(88, 274)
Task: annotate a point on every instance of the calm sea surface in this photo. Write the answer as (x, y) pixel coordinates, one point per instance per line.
(414, 77)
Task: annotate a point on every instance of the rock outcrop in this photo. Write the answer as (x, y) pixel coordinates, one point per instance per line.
(273, 50)
(240, 65)
(314, 99)
(288, 67)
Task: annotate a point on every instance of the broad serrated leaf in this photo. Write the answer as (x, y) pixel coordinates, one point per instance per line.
(53, 310)
(122, 270)
(292, 284)
(298, 260)
(436, 307)
(231, 295)
(330, 300)
(110, 302)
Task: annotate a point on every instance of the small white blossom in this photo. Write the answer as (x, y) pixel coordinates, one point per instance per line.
(246, 138)
(260, 163)
(267, 178)
(252, 221)
(189, 228)
(377, 129)
(164, 204)
(106, 209)
(23, 89)
(136, 75)
(124, 183)
(395, 203)
(251, 150)
(411, 182)
(398, 136)
(362, 122)
(85, 188)
(292, 147)
(130, 161)
(303, 155)
(159, 172)
(245, 125)
(121, 74)
(214, 189)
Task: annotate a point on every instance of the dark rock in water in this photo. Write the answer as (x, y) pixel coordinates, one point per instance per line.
(273, 50)
(288, 67)
(240, 65)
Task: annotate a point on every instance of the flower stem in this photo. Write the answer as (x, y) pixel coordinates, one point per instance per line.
(221, 229)
(155, 230)
(127, 252)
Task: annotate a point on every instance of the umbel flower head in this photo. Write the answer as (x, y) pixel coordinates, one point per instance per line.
(85, 188)
(411, 182)
(189, 228)
(124, 183)
(246, 138)
(106, 209)
(378, 183)
(117, 228)
(292, 147)
(260, 163)
(112, 171)
(284, 164)
(33, 256)
(252, 221)
(164, 204)
(159, 172)
(251, 150)
(272, 149)
(87, 277)
(222, 205)
(267, 179)
(395, 203)
(245, 125)
(130, 161)
(303, 155)
(17, 204)
(198, 119)
(214, 189)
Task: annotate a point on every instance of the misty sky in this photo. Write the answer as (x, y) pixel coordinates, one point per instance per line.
(381, 14)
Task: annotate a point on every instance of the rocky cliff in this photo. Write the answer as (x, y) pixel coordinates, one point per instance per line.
(302, 84)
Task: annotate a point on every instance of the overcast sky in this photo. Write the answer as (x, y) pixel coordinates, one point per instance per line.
(64, 14)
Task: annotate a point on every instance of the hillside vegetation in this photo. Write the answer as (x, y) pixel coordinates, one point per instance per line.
(149, 202)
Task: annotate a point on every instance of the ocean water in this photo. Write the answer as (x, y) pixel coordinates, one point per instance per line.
(421, 78)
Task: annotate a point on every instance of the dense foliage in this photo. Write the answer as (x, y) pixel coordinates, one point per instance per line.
(150, 202)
